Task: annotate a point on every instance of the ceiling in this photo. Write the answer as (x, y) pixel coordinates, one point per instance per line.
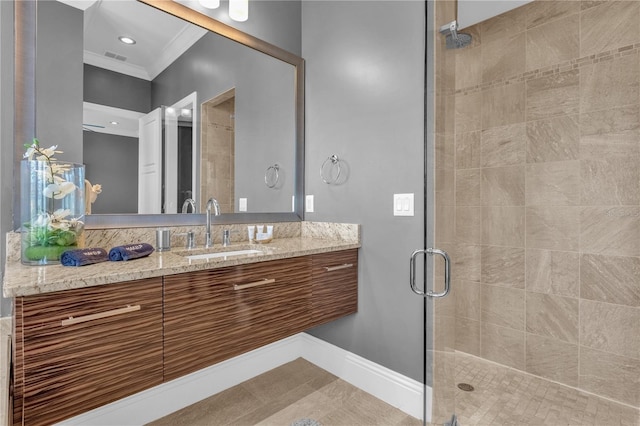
(160, 40)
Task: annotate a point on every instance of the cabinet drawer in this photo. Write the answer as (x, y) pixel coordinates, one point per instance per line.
(335, 285)
(111, 348)
(217, 314)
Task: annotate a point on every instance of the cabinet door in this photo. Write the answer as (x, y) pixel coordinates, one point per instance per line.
(214, 315)
(335, 285)
(80, 349)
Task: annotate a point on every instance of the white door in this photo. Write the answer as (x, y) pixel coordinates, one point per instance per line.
(150, 163)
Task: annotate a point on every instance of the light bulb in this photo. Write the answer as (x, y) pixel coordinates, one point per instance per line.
(239, 10)
(210, 4)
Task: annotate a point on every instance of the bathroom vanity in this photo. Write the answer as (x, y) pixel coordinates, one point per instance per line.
(84, 337)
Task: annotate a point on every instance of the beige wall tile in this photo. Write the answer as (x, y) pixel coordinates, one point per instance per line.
(553, 139)
(503, 226)
(504, 25)
(445, 186)
(469, 224)
(445, 113)
(553, 272)
(468, 187)
(445, 151)
(609, 26)
(609, 84)
(503, 105)
(610, 375)
(552, 358)
(467, 299)
(611, 180)
(502, 345)
(554, 183)
(445, 229)
(466, 262)
(503, 266)
(503, 146)
(553, 228)
(468, 73)
(611, 279)
(610, 132)
(468, 150)
(553, 43)
(552, 316)
(468, 112)
(503, 186)
(542, 12)
(556, 94)
(503, 306)
(610, 230)
(468, 336)
(610, 328)
(503, 58)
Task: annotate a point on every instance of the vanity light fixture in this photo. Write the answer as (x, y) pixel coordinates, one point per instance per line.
(239, 10)
(127, 40)
(209, 4)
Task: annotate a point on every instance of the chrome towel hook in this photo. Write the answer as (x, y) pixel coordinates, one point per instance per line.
(335, 163)
(272, 176)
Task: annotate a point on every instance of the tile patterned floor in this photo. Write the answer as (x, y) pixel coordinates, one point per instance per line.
(291, 392)
(502, 396)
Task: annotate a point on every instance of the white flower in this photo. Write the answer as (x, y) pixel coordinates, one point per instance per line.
(59, 190)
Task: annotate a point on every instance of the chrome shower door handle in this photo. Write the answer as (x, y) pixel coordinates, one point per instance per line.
(412, 273)
(447, 272)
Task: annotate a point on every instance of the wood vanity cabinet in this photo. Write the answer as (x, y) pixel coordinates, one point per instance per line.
(334, 285)
(214, 315)
(109, 349)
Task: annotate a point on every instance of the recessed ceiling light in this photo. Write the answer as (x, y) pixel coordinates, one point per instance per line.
(115, 123)
(126, 40)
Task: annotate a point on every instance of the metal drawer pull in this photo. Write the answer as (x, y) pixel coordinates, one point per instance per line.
(106, 314)
(337, 268)
(253, 284)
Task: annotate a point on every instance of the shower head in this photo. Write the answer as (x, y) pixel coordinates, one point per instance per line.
(454, 39)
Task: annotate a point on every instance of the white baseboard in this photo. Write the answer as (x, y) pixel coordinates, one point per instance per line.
(146, 406)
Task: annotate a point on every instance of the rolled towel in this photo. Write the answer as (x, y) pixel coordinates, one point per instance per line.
(130, 251)
(81, 257)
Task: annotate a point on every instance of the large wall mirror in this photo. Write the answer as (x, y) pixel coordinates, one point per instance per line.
(194, 109)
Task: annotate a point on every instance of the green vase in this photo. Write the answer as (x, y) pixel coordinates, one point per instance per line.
(51, 210)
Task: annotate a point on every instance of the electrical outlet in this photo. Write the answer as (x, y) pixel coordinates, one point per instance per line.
(242, 204)
(308, 203)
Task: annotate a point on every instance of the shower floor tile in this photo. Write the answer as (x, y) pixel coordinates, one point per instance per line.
(504, 396)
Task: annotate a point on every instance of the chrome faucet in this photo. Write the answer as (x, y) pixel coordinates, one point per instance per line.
(216, 212)
(189, 202)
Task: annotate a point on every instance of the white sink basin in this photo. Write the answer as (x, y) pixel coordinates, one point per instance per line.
(222, 254)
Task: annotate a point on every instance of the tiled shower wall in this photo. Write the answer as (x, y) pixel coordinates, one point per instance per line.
(538, 192)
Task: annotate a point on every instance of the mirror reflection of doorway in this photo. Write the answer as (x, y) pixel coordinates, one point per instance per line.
(217, 152)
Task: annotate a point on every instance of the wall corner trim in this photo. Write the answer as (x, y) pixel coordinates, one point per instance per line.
(394, 388)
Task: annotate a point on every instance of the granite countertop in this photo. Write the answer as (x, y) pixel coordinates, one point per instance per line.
(23, 280)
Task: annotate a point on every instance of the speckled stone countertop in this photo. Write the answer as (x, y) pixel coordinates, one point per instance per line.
(311, 238)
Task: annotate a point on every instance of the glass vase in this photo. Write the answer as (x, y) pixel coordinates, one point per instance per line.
(51, 210)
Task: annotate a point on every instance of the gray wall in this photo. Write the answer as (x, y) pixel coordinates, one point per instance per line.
(112, 161)
(264, 115)
(59, 99)
(364, 102)
(105, 87)
(6, 135)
